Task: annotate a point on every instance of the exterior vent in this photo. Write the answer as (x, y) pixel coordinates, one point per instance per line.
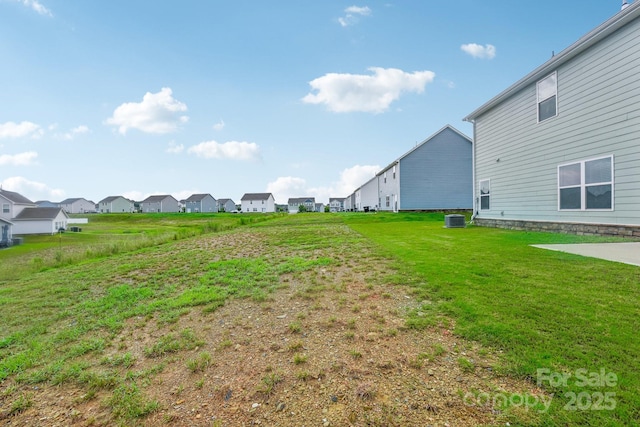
(454, 221)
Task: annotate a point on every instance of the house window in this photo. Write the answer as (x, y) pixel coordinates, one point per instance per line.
(485, 195)
(394, 172)
(387, 201)
(586, 185)
(6, 208)
(547, 90)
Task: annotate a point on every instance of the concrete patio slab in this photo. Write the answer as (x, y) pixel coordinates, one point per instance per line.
(627, 252)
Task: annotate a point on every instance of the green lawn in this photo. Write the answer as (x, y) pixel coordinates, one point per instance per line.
(547, 310)
(109, 234)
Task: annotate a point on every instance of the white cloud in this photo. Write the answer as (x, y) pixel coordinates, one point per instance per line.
(78, 130)
(36, 6)
(351, 178)
(175, 148)
(32, 190)
(219, 126)
(286, 187)
(19, 130)
(229, 150)
(136, 196)
(353, 14)
(157, 113)
(487, 51)
(23, 159)
(185, 194)
(343, 93)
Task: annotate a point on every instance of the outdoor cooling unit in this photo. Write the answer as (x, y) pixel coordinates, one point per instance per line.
(454, 221)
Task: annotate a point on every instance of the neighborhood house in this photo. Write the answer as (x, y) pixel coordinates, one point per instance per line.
(308, 204)
(115, 204)
(558, 150)
(78, 205)
(21, 216)
(201, 203)
(258, 202)
(160, 203)
(434, 175)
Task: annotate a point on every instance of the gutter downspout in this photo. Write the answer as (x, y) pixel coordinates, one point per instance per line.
(473, 171)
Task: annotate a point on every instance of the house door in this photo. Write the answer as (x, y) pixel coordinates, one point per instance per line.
(5, 233)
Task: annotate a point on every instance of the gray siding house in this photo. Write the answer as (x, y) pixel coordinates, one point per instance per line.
(160, 203)
(336, 204)
(226, 205)
(201, 203)
(78, 205)
(294, 203)
(435, 175)
(558, 150)
(115, 204)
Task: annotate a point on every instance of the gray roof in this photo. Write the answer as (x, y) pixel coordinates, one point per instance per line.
(155, 199)
(198, 197)
(223, 201)
(599, 33)
(112, 198)
(256, 196)
(5, 221)
(38, 213)
(15, 197)
(302, 200)
(336, 199)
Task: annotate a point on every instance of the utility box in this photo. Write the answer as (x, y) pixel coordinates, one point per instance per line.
(454, 221)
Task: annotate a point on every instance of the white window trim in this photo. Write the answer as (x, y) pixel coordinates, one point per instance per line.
(538, 100)
(583, 198)
(480, 195)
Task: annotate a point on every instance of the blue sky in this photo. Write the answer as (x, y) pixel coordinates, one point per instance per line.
(294, 97)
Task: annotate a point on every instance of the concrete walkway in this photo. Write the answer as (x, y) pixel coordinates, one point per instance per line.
(628, 252)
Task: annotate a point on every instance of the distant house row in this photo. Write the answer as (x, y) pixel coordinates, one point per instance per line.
(156, 203)
(21, 216)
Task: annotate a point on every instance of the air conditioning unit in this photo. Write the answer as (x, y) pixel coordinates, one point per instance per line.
(454, 221)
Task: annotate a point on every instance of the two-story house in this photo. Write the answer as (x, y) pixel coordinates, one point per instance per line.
(160, 203)
(558, 150)
(294, 204)
(200, 203)
(258, 203)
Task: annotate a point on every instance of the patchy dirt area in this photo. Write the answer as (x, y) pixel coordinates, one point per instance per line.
(329, 347)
